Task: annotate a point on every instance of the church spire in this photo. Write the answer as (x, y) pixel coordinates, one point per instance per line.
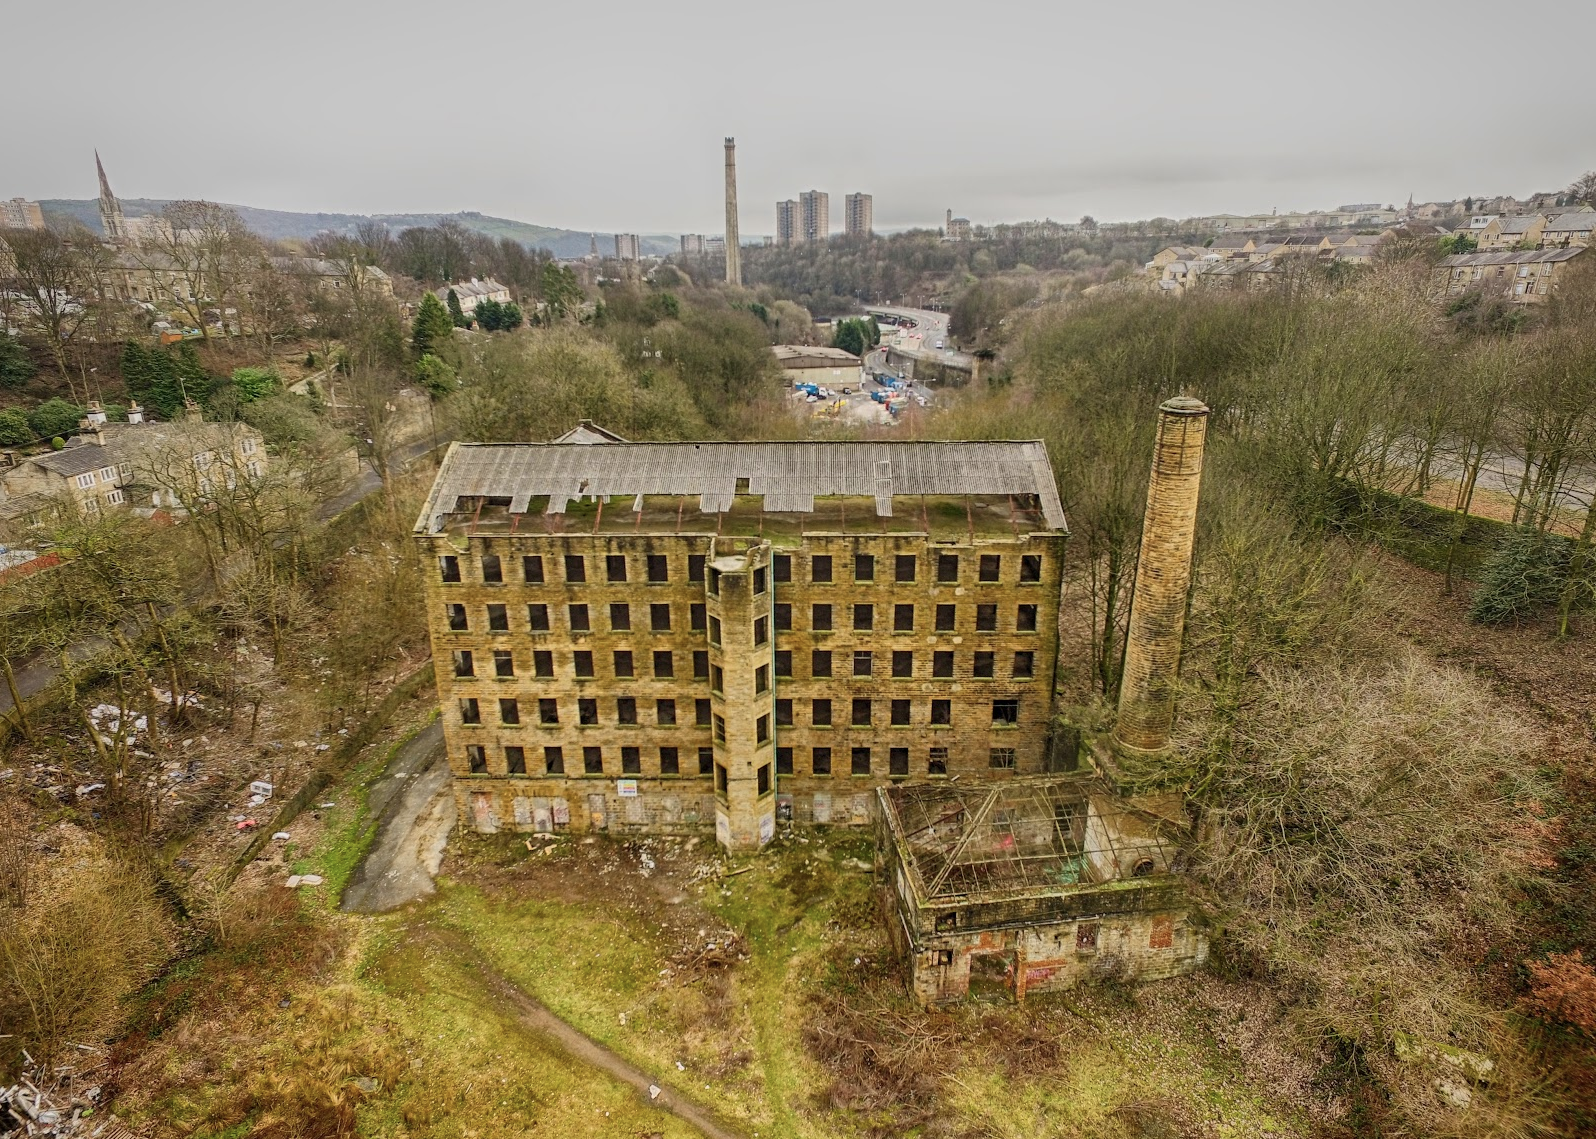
(111, 219)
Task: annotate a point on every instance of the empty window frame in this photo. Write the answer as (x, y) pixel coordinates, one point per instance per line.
(554, 760)
(492, 569)
(991, 567)
(904, 566)
(615, 567)
(537, 618)
(902, 663)
(820, 761)
(499, 618)
(575, 568)
(503, 662)
(532, 569)
(665, 713)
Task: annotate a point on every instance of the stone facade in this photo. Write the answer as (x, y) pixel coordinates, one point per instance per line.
(671, 672)
(744, 656)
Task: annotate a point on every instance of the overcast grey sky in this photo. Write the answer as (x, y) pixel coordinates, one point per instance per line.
(609, 116)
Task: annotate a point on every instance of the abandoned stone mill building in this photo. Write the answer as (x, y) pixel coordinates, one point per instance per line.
(663, 637)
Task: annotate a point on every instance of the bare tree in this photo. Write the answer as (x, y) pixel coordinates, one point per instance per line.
(204, 254)
(60, 279)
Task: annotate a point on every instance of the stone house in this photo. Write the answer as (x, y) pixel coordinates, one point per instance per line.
(1569, 229)
(138, 465)
(473, 292)
(1511, 232)
(1524, 276)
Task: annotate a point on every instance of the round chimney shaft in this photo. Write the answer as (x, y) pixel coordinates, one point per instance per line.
(1163, 577)
(734, 252)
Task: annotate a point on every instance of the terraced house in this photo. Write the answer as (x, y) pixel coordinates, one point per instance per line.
(652, 637)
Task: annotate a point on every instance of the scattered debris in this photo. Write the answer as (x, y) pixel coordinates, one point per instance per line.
(366, 1084)
(247, 824)
(48, 1103)
(281, 836)
(295, 881)
(653, 1091)
(262, 788)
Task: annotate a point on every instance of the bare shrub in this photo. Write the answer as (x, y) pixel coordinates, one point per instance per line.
(86, 942)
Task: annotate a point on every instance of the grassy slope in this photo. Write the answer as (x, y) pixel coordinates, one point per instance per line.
(801, 915)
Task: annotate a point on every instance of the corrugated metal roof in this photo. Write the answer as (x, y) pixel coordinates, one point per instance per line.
(789, 476)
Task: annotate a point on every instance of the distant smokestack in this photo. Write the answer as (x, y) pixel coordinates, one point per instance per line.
(734, 253)
(1163, 576)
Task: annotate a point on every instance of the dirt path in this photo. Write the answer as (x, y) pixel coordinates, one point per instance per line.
(534, 1017)
(413, 806)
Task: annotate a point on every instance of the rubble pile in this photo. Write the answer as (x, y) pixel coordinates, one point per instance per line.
(62, 1102)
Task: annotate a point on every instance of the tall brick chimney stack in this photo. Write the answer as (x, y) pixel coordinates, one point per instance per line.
(734, 253)
(1163, 577)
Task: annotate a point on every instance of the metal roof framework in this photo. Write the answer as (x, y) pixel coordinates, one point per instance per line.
(789, 476)
(1017, 836)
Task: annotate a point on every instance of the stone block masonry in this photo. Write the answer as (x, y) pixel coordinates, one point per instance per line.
(662, 669)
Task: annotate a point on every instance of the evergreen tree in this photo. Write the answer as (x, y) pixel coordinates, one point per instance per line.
(436, 376)
(16, 367)
(432, 325)
(55, 417)
(455, 311)
(15, 429)
(1523, 578)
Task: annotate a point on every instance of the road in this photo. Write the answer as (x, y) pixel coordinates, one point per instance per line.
(38, 673)
(933, 330)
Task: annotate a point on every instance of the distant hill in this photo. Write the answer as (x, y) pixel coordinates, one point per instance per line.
(281, 225)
